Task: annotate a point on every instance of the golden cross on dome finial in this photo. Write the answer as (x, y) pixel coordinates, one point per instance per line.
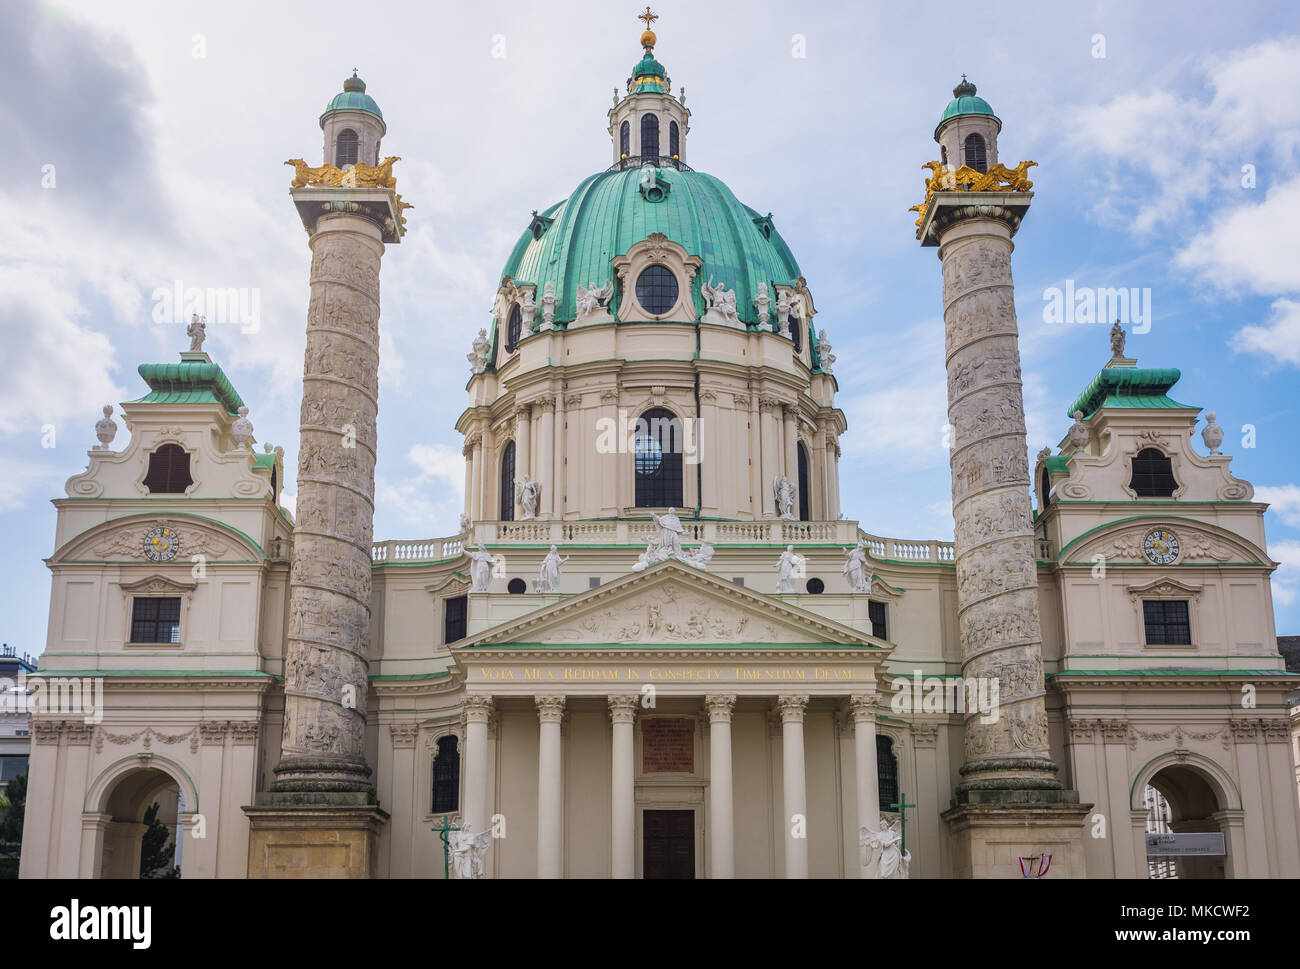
(649, 17)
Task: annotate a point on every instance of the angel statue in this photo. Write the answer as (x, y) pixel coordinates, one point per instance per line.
(855, 568)
(890, 859)
(527, 493)
(590, 299)
(197, 331)
(670, 532)
(721, 303)
(784, 493)
(468, 851)
(548, 576)
(481, 564)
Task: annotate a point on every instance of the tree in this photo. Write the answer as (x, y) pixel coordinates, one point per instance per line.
(155, 853)
(12, 811)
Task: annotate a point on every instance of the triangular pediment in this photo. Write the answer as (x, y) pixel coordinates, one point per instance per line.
(671, 604)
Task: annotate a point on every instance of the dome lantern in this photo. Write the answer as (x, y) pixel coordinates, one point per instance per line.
(968, 130)
(353, 126)
(648, 125)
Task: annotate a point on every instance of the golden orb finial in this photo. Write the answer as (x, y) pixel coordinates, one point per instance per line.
(648, 38)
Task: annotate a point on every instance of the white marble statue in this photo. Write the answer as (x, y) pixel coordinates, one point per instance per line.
(197, 331)
(882, 852)
(789, 567)
(784, 493)
(527, 310)
(468, 851)
(548, 576)
(464, 524)
(591, 302)
(527, 494)
(1078, 432)
(783, 311)
(654, 554)
(763, 306)
(699, 557)
(720, 304)
(106, 429)
(856, 569)
(670, 532)
(548, 306)
(824, 356)
(478, 356)
(241, 429)
(481, 565)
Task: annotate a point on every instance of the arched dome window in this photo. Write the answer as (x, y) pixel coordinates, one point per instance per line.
(976, 156)
(795, 336)
(1044, 498)
(169, 471)
(1153, 474)
(804, 513)
(649, 138)
(515, 329)
(624, 140)
(345, 149)
(656, 289)
(658, 459)
(674, 140)
(508, 482)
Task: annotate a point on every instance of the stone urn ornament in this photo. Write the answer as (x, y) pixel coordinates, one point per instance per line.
(242, 429)
(106, 428)
(1211, 433)
(1079, 432)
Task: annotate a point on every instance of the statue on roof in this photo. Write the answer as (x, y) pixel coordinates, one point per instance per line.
(1117, 339)
(197, 331)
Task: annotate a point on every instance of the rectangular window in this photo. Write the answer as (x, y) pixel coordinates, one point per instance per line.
(876, 612)
(455, 613)
(156, 620)
(11, 767)
(1167, 622)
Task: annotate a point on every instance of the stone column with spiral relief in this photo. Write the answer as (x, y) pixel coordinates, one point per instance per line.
(322, 799)
(1008, 774)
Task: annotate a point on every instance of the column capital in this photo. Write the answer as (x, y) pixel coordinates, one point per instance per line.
(478, 708)
(524, 411)
(550, 709)
(720, 706)
(791, 707)
(861, 707)
(622, 708)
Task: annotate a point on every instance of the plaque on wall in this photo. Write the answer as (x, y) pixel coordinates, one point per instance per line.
(668, 745)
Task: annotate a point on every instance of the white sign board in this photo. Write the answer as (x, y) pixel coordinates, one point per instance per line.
(1192, 843)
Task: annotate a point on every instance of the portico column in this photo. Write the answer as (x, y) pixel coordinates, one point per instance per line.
(478, 711)
(545, 454)
(796, 797)
(862, 708)
(550, 789)
(722, 833)
(622, 711)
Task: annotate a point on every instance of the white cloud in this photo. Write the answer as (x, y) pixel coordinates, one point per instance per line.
(1286, 580)
(1278, 339)
(1251, 246)
(1283, 501)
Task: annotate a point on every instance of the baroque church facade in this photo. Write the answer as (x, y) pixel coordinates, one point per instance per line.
(659, 646)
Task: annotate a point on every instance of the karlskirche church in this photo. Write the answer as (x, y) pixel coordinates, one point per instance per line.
(659, 646)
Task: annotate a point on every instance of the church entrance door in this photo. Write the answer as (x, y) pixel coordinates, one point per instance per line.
(669, 844)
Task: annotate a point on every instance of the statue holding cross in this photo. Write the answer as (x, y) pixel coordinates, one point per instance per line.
(884, 852)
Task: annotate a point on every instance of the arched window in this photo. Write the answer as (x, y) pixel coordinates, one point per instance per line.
(515, 329)
(886, 772)
(803, 483)
(446, 776)
(1153, 474)
(508, 482)
(624, 136)
(649, 139)
(976, 157)
(795, 336)
(345, 149)
(1044, 499)
(169, 471)
(943, 154)
(658, 459)
(674, 139)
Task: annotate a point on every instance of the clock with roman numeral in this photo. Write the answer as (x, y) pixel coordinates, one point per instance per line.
(1161, 546)
(161, 544)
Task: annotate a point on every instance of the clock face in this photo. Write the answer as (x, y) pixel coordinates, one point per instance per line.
(161, 544)
(1161, 546)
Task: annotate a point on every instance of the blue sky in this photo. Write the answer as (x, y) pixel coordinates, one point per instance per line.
(166, 124)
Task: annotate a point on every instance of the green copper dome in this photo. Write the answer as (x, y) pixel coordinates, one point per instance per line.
(649, 76)
(964, 101)
(353, 98)
(574, 240)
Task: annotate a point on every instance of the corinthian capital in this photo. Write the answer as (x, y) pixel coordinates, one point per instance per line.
(622, 709)
(478, 708)
(719, 706)
(862, 707)
(550, 709)
(791, 707)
